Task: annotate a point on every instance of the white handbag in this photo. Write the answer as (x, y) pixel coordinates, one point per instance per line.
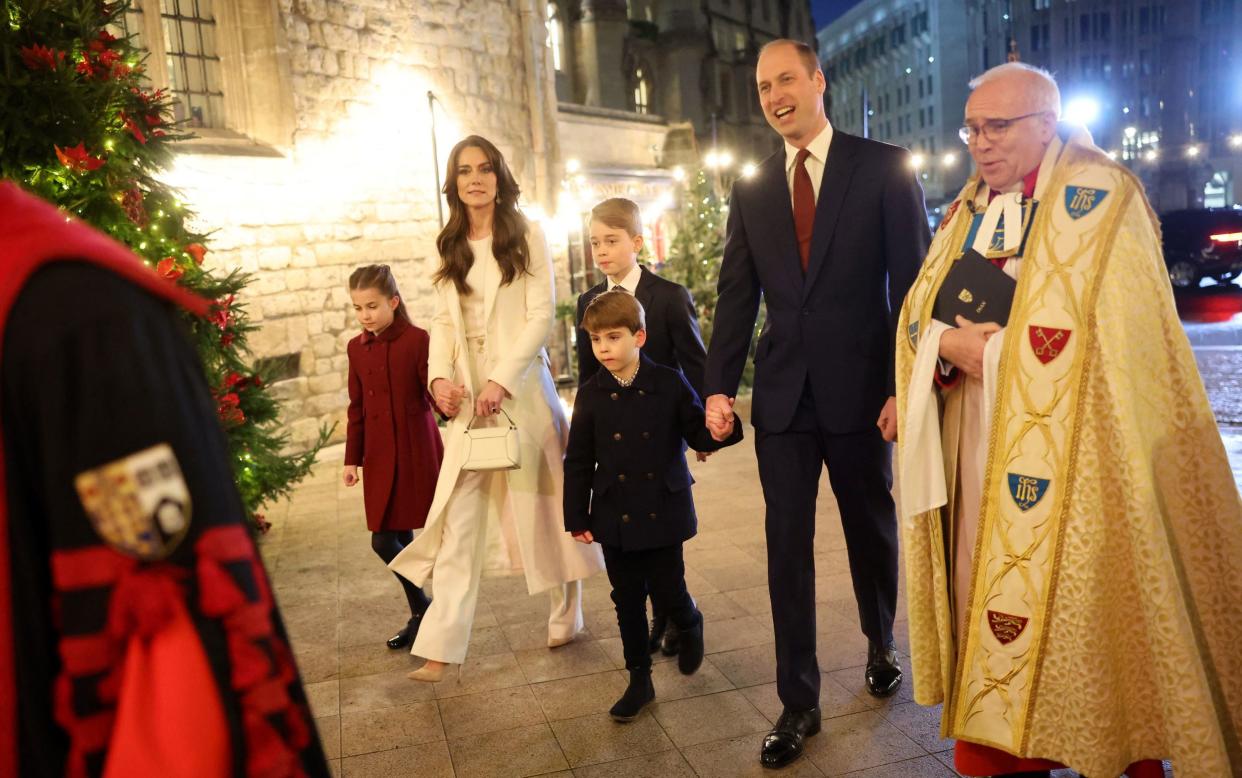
(493, 448)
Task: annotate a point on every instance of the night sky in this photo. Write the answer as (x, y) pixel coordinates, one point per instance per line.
(825, 11)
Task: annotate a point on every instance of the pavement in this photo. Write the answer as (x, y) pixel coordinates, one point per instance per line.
(521, 709)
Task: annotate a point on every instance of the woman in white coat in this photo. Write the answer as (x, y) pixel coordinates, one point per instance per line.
(494, 311)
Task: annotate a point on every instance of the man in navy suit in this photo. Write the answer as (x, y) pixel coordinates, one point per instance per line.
(830, 232)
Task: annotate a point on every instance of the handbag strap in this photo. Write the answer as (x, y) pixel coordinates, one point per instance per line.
(502, 410)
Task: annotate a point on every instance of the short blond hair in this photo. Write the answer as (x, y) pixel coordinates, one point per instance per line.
(619, 214)
(613, 309)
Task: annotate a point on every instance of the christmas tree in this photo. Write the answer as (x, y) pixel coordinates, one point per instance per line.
(697, 249)
(698, 245)
(83, 129)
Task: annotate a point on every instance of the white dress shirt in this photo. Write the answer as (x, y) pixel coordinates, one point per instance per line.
(814, 162)
(630, 282)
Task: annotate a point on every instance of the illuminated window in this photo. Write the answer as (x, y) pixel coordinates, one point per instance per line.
(642, 91)
(555, 35)
(184, 56)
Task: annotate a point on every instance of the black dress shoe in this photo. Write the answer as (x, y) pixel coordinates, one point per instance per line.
(690, 646)
(784, 743)
(659, 624)
(407, 633)
(637, 695)
(883, 671)
(671, 645)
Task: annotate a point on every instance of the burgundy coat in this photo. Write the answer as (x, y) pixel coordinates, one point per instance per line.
(392, 431)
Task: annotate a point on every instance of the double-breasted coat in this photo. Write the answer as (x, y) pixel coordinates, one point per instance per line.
(626, 478)
(519, 318)
(392, 431)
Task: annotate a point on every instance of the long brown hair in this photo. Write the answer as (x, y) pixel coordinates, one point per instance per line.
(509, 227)
(380, 278)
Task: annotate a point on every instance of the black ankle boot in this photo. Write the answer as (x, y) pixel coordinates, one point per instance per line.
(690, 650)
(407, 633)
(637, 695)
(659, 623)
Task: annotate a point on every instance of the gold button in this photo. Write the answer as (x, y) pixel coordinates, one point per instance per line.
(646, 435)
(625, 517)
(614, 395)
(616, 436)
(650, 476)
(641, 392)
(621, 478)
(652, 515)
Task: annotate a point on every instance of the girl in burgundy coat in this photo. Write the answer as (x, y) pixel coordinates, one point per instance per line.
(392, 433)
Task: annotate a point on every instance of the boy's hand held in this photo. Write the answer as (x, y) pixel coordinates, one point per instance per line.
(350, 476)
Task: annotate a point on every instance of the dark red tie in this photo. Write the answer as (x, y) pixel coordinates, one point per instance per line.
(804, 206)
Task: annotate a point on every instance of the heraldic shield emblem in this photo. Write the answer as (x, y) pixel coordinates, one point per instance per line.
(1047, 342)
(1027, 490)
(1005, 626)
(1082, 200)
(138, 505)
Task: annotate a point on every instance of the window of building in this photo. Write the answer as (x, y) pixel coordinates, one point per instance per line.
(929, 86)
(922, 118)
(183, 41)
(224, 75)
(1144, 20)
(931, 119)
(920, 89)
(767, 10)
(1104, 26)
(1041, 5)
(642, 90)
(556, 33)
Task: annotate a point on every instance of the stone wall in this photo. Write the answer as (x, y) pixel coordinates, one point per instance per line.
(358, 184)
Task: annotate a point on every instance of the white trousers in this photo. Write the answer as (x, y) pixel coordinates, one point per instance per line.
(444, 634)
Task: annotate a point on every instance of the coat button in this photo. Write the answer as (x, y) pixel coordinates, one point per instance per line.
(614, 395)
(616, 436)
(651, 515)
(641, 393)
(625, 517)
(621, 478)
(646, 435)
(370, 392)
(650, 476)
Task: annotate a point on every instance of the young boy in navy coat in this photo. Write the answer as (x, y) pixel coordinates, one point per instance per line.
(627, 485)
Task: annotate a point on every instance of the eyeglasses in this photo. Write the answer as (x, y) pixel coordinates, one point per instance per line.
(992, 130)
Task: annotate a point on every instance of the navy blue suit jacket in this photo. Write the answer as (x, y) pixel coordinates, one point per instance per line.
(673, 338)
(832, 328)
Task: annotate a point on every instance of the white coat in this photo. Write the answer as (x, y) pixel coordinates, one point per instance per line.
(519, 319)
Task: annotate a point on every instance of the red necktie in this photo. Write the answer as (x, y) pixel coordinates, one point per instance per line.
(804, 206)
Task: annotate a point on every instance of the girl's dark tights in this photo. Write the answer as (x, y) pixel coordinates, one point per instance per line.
(386, 546)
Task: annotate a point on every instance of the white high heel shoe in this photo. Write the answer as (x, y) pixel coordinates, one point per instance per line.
(432, 672)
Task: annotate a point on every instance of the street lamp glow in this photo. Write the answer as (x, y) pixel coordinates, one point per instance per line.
(931, 59)
(1082, 110)
(711, 160)
(1235, 141)
(748, 170)
(1192, 151)
(679, 173)
(572, 166)
(1112, 154)
(1131, 132)
(1151, 155)
(909, 71)
(917, 161)
(949, 159)
(725, 158)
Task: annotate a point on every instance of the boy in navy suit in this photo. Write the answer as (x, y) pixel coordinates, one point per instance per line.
(627, 485)
(673, 337)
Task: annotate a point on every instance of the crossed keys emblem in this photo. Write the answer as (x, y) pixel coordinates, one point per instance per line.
(1048, 342)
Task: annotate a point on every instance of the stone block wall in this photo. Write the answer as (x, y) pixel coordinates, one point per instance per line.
(358, 185)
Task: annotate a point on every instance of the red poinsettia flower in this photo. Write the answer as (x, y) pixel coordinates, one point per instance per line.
(220, 314)
(85, 67)
(196, 251)
(167, 267)
(77, 158)
(226, 339)
(108, 59)
(234, 380)
(133, 128)
(38, 57)
(261, 523)
(229, 408)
